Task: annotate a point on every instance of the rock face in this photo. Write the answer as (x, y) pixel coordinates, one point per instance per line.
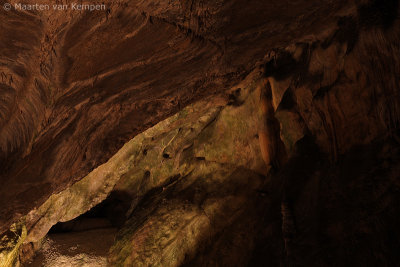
(239, 133)
(174, 173)
(76, 86)
(330, 91)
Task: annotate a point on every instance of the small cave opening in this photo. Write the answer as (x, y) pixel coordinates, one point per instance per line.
(86, 238)
(110, 213)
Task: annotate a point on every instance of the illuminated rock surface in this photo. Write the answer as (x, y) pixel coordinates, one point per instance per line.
(76, 86)
(150, 117)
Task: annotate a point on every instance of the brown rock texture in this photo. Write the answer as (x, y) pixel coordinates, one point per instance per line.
(77, 85)
(183, 169)
(343, 89)
(240, 132)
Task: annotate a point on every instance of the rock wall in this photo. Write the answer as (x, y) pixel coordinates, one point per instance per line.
(296, 165)
(76, 86)
(185, 160)
(342, 89)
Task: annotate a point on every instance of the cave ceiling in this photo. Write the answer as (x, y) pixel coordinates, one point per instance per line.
(77, 85)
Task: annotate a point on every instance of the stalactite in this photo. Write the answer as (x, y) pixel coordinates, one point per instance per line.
(272, 148)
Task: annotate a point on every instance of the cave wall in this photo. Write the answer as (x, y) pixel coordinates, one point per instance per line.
(79, 85)
(173, 160)
(198, 183)
(343, 89)
(336, 99)
(332, 203)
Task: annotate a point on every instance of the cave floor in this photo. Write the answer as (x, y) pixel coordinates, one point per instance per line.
(73, 249)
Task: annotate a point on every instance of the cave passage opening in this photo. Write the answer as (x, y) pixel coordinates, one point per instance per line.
(87, 238)
(110, 213)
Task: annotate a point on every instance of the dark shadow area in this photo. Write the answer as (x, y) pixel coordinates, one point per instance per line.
(378, 13)
(111, 213)
(340, 213)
